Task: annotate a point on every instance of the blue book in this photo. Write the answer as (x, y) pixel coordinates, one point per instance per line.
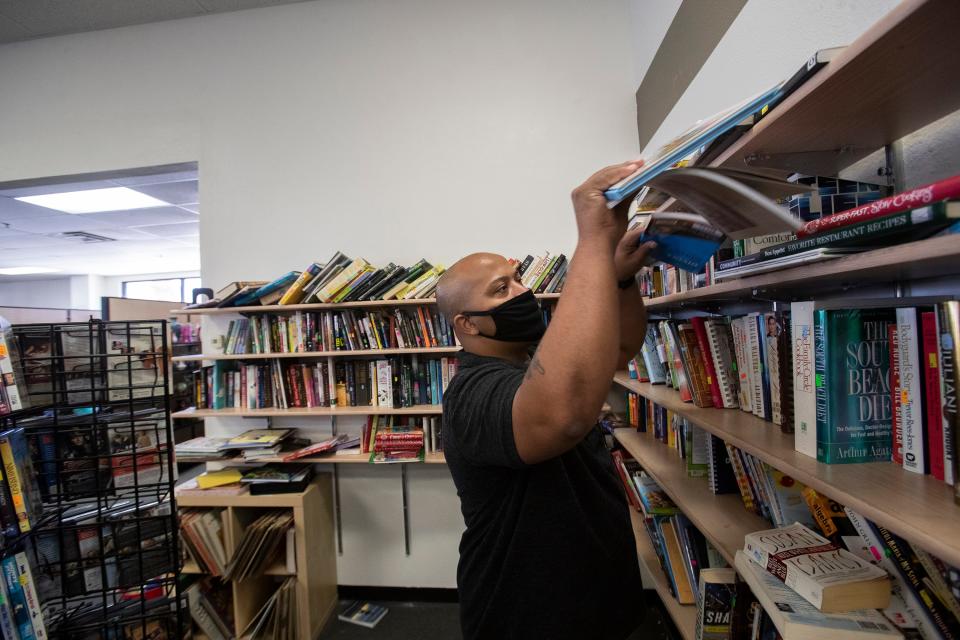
(684, 240)
(252, 297)
(700, 134)
(18, 600)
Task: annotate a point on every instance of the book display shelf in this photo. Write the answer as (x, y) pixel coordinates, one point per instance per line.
(326, 412)
(915, 46)
(316, 566)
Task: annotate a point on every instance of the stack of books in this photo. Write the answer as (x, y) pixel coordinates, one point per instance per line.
(397, 444)
(278, 478)
(203, 540)
(202, 449)
(543, 274)
(259, 443)
(430, 426)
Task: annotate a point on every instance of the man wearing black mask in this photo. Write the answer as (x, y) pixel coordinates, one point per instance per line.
(548, 551)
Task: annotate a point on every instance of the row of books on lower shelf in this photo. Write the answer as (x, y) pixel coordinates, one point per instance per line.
(348, 330)
(395, 382)
(809, 585)
(397, 438)
(854, 380)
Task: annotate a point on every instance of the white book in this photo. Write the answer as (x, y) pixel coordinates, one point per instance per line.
(291, 551)
(331, 381)
(815, 568)
(444, 373)
(911, 390)
(745, 393)
(905, 610)
(252, 396)
(384, 384)
(755, 373)
(804, 387)
(30, 595)
(720, 342)
(797, 619)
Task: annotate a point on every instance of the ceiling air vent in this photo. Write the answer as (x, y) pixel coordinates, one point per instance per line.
(83, 236)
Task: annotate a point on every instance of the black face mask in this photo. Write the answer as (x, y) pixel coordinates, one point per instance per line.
(517, 320)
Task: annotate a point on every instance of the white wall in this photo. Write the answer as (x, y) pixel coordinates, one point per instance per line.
(767, 43)
(391, 130)
(52, 293)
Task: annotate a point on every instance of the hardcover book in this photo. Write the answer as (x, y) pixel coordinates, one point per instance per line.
(852, 366)
(717, 592)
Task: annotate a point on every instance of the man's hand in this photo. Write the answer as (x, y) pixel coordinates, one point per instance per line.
(630, 256)
(594, 220)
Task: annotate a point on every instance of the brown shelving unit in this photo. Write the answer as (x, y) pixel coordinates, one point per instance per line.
(315, 552)
(290, 308)
(314, 354)
(273, 412)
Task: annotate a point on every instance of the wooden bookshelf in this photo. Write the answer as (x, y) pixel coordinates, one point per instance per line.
(313, 354)
(315, 552)
(273, 412)
(353, 458)
(722, 519)
(918, 507)
(911, 261)
(684, 615)
(291, 308)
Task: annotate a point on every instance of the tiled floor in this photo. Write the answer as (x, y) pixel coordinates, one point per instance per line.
(440, 621)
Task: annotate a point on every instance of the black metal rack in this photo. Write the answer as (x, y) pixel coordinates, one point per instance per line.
(102, 537)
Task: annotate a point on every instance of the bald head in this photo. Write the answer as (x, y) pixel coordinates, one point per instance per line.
(462, 282)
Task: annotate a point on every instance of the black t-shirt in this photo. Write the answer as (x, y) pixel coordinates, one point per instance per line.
(549, 551)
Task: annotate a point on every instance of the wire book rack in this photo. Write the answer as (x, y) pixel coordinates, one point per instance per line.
(93, 458)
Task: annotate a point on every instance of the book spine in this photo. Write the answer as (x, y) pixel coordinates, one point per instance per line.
(896, 451)
(934, 410)
(755, 372)
(699, 327)
(17, 493)
(949, 188)
(7, 627)
(822, 384)
(949, 317)
(30, 595)
(914, 449)
(917, 581)
(804, 369)
(18, 602)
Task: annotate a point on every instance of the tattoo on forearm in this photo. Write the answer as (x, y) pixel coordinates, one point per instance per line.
(535, 367)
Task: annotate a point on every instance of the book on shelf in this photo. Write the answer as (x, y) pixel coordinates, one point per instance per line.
(684, 240)
(794, 617)
(21, 480)
(203, 539)
(397, 443)
(716, 595)
(218, 478)
(829, 577)
(259, 545)
(211, 608)
(327, 445)
(256, 438)
(295, 293)
(653, 500)
(948, 316)
(13, 389)
(365, 614)
(277, 618)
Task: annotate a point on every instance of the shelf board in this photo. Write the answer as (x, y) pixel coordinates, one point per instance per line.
(191, 568)
(349, 458)
(312, 354)
(911, 261)
(417, 410)
(290, 308)
(844, 105)
(278, 568)
(918, 507)
(722, 519)
(199, 499)
(684, 615)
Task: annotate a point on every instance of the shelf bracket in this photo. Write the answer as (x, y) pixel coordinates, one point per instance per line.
(824, 161)
(406, 507)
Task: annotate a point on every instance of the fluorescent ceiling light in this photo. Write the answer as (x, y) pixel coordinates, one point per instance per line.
(95, 200)
(24, 271)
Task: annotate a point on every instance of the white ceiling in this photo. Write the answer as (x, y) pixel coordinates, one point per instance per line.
(27, 19)
(158, 239)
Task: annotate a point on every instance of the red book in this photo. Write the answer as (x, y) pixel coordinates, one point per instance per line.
(897, 449)
(621, 468)
(934, 410)
(934, 192)
(700, 329)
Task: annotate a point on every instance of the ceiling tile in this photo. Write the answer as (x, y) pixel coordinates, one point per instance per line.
(172, 230)
(183, 192)
(139, 217)
(52, 223)
(60, 187)
(191, 207)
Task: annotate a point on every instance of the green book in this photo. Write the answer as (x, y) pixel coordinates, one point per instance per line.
(852, 382)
